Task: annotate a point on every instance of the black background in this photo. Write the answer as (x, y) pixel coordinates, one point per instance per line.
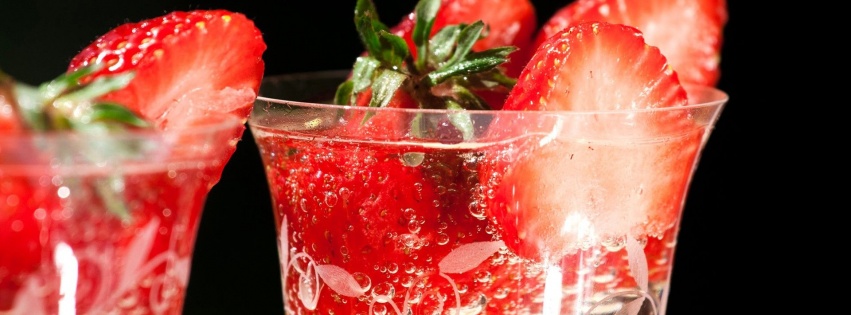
(235, 269)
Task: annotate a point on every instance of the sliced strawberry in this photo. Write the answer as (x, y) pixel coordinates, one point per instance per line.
(606, 185)
(210, 60)
(689, 33)
(596, 66)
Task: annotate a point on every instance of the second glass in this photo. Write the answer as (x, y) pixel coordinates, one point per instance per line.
(105, 223)
(389, 211)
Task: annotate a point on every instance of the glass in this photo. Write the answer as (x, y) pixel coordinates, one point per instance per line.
(105, 224)
(538, 213)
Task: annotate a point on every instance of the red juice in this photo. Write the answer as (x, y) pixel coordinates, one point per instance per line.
(391, 228)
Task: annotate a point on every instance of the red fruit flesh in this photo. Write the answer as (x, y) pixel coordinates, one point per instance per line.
(207, 60)
(689, 33)
(596, 66)
(618, 174)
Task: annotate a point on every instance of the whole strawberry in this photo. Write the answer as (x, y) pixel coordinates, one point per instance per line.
(442, 72)
(507, 23)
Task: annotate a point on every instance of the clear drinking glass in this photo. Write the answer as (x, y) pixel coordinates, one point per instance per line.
(545, 212)
(105, 224)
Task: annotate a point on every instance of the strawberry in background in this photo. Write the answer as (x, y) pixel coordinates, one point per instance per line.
(688, 32)
(508, 23)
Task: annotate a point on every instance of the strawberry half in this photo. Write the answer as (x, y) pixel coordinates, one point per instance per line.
(689, 33)
(185, 63)
(611, 186)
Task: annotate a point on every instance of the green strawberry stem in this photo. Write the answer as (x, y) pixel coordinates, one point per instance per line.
(445, 74)
(66, 104)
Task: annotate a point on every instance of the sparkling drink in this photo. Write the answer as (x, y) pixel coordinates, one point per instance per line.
(105, 224)
(376, 219)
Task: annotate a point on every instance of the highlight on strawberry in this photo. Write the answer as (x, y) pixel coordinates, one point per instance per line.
(445, 74)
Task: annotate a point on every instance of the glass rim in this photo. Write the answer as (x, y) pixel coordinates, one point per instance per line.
(710, 97)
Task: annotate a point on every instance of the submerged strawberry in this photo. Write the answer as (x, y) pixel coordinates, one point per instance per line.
(546, 200)
(689, 33)
(185, 63)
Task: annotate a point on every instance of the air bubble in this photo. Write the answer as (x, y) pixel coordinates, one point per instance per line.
(379, 309)
(442, 239)
(476, 211)
(330, 198)
(392, 268)
(383, 292)
(410, 267)
(409, 214)
(413, 159)
(483, 276)
(414, 227)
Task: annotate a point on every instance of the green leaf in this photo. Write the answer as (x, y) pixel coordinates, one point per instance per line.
(31, 107)
(426, 11)
(461, 120)
(112, 112)
(472, 63)
(362, 76)
(417, 126)
(363, 72)
(67, 81)
(100, 86)
(443, 44)
(467, 99)
(344, 93)
(368, 26)
(385, 86)
(394, 49)
(468, 37)
(489, 79)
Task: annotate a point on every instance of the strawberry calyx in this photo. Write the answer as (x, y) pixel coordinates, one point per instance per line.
(70, 102)
(66, 103)
(445, 74)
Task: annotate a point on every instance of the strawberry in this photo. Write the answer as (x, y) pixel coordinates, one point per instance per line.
(185, 63)
(586, 67)
(432, 72)
(171, 72)
(508, 22)
(689, 33)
